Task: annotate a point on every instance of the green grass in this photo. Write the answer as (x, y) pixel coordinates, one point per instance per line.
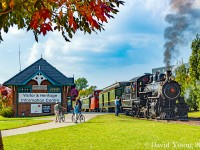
(194, 114)
(11, 123)
(108, 132)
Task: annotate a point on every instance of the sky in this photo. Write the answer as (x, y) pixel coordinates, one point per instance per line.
(131, 45)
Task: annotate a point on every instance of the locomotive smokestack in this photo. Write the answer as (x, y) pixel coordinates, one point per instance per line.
(182, 23)
(168, 74)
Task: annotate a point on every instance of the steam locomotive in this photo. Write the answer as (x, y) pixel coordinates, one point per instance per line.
(154, 96)
(148, 96)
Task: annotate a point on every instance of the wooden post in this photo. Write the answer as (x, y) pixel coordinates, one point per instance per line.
(1, 142)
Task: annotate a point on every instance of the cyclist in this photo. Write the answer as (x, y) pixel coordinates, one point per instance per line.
(79, 104)
(76, 111)
(57, 110)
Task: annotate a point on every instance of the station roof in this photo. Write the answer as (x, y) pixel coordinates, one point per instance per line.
(43, 67)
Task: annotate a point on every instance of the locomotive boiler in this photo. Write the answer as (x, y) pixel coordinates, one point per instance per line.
(155, 96)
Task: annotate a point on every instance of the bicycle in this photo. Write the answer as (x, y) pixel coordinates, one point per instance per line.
(81, 118)
(61, 117)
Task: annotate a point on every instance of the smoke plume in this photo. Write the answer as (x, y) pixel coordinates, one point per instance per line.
(182, 23)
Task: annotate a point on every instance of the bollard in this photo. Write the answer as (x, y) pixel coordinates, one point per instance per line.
(1, 142)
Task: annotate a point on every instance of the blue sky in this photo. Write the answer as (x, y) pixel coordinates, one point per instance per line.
(131, 45)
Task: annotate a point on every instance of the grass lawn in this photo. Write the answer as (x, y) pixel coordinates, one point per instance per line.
(11, 123)
(195, 114)
(108, 132)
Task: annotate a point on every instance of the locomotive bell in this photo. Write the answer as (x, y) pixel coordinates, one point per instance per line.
(168, 74)
(172, 78)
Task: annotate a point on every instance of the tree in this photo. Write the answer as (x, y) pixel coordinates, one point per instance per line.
(87, 91)
(66, 16)
(194, 70)
(5, 97)
(81, 83)
(182, 78)
(90, 90)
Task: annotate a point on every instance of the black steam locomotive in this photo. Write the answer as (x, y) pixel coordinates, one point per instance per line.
(154, 96)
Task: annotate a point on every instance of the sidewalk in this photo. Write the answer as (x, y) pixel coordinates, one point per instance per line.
(46, 126)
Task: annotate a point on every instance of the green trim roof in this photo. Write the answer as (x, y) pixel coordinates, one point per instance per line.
(41, 65)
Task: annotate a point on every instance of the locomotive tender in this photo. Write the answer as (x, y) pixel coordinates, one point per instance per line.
(154, 96)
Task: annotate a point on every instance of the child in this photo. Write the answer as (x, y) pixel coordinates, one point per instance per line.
(76, 110)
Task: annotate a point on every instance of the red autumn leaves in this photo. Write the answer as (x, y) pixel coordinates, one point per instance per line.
(39, 19)
(6, 95)
(65, 16)
(93, 12)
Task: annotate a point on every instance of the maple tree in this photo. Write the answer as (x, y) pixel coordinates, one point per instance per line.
(66, 16)
(5, 96)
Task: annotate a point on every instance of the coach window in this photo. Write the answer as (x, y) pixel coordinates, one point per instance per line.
(108, 98)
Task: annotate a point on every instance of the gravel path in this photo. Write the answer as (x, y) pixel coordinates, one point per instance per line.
(46, 126)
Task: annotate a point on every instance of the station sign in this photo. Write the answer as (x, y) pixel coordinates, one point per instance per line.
(39, 87)
(46, 108)
(36, 108)
(39, 97)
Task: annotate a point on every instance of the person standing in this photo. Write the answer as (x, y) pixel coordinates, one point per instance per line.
(117, 106)
(56, 111)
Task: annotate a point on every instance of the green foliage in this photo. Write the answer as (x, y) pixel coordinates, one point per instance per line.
(191, 98)
(81, 83)
(6, 112)
(87, 91)
(194, 70)
(108, 132)
(90, 90)
(182, 78)
(194, 114)
(194, 61)
(65, 16)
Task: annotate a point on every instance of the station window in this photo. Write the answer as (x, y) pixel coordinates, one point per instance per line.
(54, 90)
(26, 89)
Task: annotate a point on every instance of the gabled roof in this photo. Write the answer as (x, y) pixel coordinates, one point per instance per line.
(51, 73)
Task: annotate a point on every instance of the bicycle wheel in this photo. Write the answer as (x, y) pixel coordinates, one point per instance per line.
(62, 118)
(82, 118)
(73, 118)
(59, 118)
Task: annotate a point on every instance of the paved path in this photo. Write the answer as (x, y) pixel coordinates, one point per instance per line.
(46, 126)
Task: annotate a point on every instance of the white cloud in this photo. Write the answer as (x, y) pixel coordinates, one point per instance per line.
(50, 47)
(196, 4)
(71, 58)
(34, 53)
(16, 31)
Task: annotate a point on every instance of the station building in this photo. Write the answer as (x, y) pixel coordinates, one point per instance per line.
(37, 88)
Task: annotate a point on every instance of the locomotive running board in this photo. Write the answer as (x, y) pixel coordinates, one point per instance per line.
(154, 97)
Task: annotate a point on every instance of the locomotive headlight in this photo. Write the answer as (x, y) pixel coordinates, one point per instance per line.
(172, 77)
(172, 90)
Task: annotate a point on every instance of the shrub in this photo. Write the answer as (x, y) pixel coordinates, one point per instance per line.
(6, 112)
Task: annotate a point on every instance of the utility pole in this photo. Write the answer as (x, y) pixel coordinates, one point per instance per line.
(19, 60)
